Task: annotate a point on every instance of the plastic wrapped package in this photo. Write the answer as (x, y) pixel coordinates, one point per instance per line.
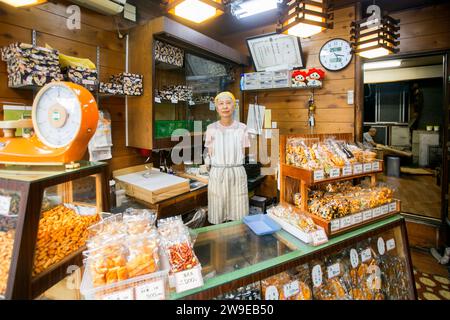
(338, 277)
(287, 213)
(181, 253)
(143, 257)
(369, 272)
(139, 221)
(289, 285)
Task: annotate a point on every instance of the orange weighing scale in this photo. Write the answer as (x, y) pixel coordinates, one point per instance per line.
(64, 118)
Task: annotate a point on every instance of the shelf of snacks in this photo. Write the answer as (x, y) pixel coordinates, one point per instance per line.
(44, 220)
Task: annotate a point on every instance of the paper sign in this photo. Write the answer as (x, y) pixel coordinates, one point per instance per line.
(212, 106)
(367, 215)
(334, 173)
(357, 218)
(367, 167)
(174, 100)
(5, 204)
(317, 275)
(151, 291)
(354, 259)
(157, 99)
(271, 293)
(319, 237)
(357, 169)
(333, 270)
(291, 288)
(267, 118)
(318, 175)
(120, 295)
(191, 103)
(335, 225)
(376, 212)
(390, 244)
(366, 255)
(189, 279)
(346, 222)
(392, 206)
(376, 166)
(347, 171)
(381, 246)
(385, 209)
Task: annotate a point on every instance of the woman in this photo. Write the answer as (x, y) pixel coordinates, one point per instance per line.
(226, 141)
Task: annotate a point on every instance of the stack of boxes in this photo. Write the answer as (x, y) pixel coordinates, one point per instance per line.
(129, 84)
(82, 76)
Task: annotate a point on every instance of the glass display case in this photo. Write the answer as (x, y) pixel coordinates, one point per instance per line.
(371, 262)
(44, 215)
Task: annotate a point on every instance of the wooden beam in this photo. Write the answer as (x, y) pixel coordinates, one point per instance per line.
(359, 87)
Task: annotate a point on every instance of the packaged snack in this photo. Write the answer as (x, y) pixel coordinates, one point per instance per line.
(143, 255)
(139, 221)
(181, 254)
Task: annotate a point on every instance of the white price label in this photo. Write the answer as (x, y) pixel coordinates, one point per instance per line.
(291, 288)
(89, 82)
(357, 168)
(174, 100)
(354, 259)
(385, 209)
(271, 293)
(366, 255)
(335, 225)
(151, 291)
(367, 167)
(317, 275)
(319, 237)
(120, 295)
(390, 244)
(367, 215)
(191, 103)
(212, 106)
(357, 218)
(376, 212)
(5, 204)
(157, 99)
(318, 175)
(376, 166)
(381, 246)
(346, 222)
(189, 279)
(333, 270)
(347, 171)
(335, 173)
(392, 206)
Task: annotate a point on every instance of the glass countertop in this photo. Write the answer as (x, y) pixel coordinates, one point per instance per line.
(32, 173)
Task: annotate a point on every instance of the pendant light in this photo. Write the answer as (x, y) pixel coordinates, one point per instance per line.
(195, 10)
(375, 36)
(305, 18)
(23, 3)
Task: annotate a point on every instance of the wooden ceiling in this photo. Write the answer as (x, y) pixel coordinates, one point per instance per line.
(226, 24)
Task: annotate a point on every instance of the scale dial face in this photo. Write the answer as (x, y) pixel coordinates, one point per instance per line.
(57, 116)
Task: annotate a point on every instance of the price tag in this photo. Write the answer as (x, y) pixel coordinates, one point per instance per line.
(367, 167)
(366, 255)
(347, 171)
(333, 270)
(151, 291)
(174, 100)
(357, 218)
(385, 209)
(319, 237)
(393, 206)
(367, 215)
(157, 99)
(376, 166)
(189, 279)
(376, 212)
(318, 175)
(381, 246)
(89, 82)
(271, 293)
(317, 275)
(191, 103)
(335, 225)
(357, 168)
(335, 173)
(354, 259)
(390, 244)
(120, 295)
(346, 222)
(5, 204)
(212, 106)
(291, 288)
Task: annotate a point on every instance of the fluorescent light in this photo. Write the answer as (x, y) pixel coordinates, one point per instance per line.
(195, 10)
(382, 64)
(23, 3)
(252, 7)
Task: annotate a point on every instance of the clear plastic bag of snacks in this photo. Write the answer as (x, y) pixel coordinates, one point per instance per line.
(338, 278)
(180, 253)
(369, 272)
(139, 221)
(143, 254)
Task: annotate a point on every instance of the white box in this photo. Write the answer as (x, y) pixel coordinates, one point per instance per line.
(296, 232)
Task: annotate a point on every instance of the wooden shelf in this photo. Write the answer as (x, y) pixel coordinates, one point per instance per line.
(283, 88)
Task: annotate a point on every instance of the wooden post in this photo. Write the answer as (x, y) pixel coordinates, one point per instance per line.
(304, 194)
(359, 86)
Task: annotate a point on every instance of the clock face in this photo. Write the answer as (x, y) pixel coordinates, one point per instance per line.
(335, 54)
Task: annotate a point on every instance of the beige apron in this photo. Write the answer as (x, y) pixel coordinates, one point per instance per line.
(227, 186)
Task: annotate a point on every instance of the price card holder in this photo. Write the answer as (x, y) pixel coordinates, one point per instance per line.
(393, 206)
(390, 244)
(319, 175)
(335, 225)
(155, 290)
(385, 209)
(120, 295)
(376, 166)
(316, 274)
(367, 167)
(319, 237)
(357, 168)
(157, 99)
(5, 204)
(335, 173)
(366, 255)
(357, 218)
(377, 212)
(271, 293)
(188, 279)
(347, 171)
(367, 215)
(354, 258)
(292, 288)
(346, 222)
(333, 270)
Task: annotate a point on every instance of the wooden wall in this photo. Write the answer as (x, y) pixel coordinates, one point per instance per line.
(289, 107)
(49, 21)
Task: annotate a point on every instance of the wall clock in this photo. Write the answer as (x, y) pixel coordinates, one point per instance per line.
(335, 54)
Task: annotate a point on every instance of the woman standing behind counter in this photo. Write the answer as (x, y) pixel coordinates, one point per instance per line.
(226, 141)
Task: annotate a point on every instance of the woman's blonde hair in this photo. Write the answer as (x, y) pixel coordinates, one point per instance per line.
(225, 94)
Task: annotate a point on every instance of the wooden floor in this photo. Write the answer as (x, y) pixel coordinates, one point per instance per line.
(425, 262)
(419, 194)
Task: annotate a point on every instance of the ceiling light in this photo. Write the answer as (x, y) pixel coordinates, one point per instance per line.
(243, 9)
(382, 64)
(195, 10)
(23, 3)
(305, 18)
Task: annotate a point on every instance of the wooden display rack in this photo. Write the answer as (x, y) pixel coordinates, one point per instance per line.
(294, 179)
